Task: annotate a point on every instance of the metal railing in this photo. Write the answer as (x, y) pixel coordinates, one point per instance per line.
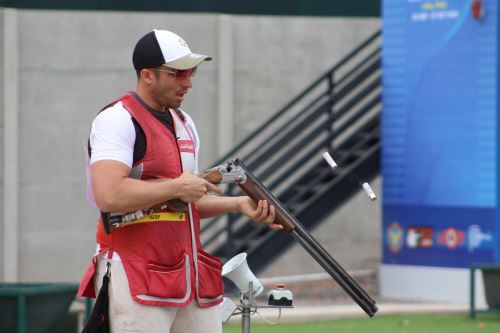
(338, 112)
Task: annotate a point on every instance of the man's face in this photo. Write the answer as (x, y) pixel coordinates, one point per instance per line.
(170, 86)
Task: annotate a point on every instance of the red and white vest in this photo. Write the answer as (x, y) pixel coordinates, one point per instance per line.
(163, 259)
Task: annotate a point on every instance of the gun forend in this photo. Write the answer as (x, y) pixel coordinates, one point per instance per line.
(254, 189)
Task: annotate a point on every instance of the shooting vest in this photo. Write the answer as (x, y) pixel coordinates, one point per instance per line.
(163, 258)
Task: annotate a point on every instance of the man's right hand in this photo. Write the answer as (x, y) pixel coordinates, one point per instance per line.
(192, 187)
(114, 191)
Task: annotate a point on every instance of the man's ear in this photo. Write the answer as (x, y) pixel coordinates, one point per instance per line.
(147, 76)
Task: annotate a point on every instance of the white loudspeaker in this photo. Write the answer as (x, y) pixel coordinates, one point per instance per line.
(227, 308)
(236, 270)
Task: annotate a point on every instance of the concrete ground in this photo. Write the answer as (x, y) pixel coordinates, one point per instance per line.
(318, 297)
(307, 312)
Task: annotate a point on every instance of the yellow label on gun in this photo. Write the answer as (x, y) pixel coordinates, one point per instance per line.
(162, 216)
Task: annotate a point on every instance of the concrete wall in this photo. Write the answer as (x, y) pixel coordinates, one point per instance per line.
(72, 63)
(9, 153)
(2, 98)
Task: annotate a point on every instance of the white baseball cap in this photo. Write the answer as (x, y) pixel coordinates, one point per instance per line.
(163, 47)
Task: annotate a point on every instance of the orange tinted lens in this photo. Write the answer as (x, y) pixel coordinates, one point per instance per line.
(185, 73)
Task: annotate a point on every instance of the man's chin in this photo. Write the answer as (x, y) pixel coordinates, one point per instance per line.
(174, 104)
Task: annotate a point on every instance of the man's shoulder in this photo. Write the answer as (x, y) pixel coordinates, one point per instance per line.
(114, 110)
(113, 114)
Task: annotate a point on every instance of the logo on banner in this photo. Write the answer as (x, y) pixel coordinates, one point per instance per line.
(451, 238)
(477, 238)
(419, 237)
(395, 237)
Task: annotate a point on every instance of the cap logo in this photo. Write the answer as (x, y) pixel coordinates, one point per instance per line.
(182, 42)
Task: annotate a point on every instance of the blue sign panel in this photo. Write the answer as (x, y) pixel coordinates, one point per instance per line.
(439, 133)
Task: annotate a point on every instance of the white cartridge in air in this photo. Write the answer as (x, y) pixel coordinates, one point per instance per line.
(328, 158)
(369, 191)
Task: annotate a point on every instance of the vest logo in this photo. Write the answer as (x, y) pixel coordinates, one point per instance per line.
(395, 237)
(186, 146)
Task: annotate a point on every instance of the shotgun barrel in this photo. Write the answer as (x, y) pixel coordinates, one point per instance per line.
(257, 191)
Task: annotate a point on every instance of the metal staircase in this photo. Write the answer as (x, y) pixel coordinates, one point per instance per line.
(339, 113)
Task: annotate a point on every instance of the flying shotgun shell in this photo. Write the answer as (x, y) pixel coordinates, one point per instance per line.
(328, 158)
(369, 191)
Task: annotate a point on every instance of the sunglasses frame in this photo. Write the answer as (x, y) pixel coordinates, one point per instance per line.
(178, 73)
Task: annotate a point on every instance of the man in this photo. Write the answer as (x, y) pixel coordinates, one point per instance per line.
(143, 151)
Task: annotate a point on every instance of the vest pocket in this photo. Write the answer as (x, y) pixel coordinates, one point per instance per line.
(210, 283)
(167, 281)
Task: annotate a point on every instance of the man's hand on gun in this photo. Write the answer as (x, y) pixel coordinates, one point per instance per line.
(261, 211)
(193, 187)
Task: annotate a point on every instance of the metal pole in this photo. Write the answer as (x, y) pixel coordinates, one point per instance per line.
(21, 313)
(246, 305)
(472, 310)
(245, 320)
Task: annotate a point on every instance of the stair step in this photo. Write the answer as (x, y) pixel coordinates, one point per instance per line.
(305, 188)
(337, 154)
(293, 207)
(243, 243)
(328, 172)
(300, 195)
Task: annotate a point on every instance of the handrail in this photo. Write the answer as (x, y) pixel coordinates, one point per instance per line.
(336, 132)
(351, 54)
(299, 126)
(286, 124)
(354, 90)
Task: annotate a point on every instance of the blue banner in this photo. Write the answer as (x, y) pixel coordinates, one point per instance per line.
(439, 133)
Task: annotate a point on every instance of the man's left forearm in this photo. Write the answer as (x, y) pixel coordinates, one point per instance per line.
(212, 205)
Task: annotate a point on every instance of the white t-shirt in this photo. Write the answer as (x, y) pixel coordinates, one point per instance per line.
(112, 136)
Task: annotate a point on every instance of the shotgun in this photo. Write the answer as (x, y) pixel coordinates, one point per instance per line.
(234, 171)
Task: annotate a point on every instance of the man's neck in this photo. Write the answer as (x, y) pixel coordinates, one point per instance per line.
(147, 98)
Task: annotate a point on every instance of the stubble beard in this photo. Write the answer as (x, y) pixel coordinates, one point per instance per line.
(170, 102)
(174, 104)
